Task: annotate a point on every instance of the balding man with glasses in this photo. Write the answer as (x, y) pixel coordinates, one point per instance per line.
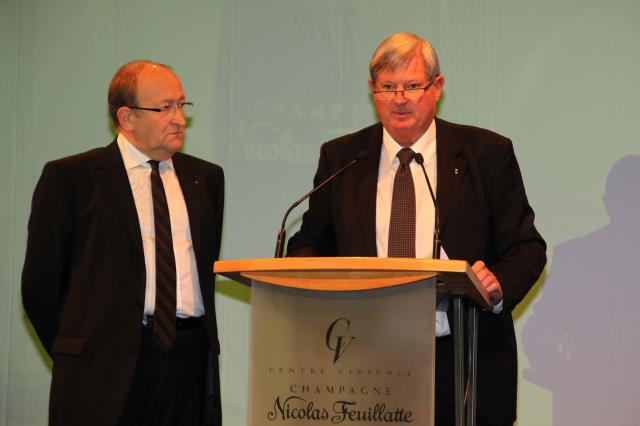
(385, 207)
(117, 280)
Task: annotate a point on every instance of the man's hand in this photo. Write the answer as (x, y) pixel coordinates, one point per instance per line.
(488, 281)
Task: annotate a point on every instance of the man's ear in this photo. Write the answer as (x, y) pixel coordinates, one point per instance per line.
(371, 84)
(438, 85)
(125, 117)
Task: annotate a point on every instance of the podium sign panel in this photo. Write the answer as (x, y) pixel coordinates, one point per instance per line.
(348, 357)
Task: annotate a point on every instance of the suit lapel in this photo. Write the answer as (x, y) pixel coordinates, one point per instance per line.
(451, 168)
(191, 185)
(367, 188)
(113, 178)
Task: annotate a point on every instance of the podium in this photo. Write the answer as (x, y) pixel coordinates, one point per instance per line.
(348, 340)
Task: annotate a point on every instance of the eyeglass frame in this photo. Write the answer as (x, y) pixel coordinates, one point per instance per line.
(395, 92)
(170, 108)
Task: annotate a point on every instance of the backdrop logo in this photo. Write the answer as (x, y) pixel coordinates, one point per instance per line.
(337, 339)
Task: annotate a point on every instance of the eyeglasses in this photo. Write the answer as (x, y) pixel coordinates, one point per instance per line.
(411, 93)
(185, 107)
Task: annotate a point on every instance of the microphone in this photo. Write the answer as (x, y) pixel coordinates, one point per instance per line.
(282, 234)
(437, 243)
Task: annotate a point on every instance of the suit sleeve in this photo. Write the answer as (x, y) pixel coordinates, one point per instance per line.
(46, 267)
(212, 404)
(316, 236)
(521, 250)
(208, 250)
(219, 213)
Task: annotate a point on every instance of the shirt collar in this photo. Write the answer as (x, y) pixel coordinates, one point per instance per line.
(133, 157)
(425, 145)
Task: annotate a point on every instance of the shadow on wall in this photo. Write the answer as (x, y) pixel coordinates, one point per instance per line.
(583, 339)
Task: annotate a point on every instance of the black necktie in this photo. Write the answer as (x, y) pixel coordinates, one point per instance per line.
(164, 317)
(402, 226)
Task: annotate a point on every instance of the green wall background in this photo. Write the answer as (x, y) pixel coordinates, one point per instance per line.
(271, 81)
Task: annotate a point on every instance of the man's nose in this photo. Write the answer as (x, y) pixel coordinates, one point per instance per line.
(179, 117)
(399, 97)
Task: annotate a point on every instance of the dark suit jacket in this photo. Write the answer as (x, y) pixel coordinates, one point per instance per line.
(83, 280)
(484, 215)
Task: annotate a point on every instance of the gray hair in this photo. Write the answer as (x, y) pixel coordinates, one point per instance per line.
(398, 49)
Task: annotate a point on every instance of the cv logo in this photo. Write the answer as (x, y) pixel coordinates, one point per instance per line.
(337, 339)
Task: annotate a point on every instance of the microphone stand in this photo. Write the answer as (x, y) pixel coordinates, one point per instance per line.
(458, 332)
(437, 243)
(282, 233)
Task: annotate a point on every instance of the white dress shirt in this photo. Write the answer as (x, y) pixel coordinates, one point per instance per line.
(188, 295)
(425, 210)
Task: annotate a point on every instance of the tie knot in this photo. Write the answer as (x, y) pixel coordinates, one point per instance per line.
(154, 164)
(405, 155)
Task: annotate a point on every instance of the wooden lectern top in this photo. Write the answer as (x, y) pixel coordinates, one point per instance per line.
(356, 273)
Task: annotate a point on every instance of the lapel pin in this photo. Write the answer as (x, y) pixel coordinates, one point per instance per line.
(455, 171)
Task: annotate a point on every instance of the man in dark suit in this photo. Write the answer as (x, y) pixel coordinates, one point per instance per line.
(118, 279)
(485, 217)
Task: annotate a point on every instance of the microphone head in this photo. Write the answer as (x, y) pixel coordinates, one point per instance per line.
(419, 158)
(362, 155)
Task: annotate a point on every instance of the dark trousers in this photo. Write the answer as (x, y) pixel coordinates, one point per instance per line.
(168, 387)
(445, 387)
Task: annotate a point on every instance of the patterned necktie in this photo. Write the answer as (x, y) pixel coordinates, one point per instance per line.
(164, 317)
(402, 226)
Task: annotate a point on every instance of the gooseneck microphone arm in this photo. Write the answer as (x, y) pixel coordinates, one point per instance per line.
(282, 234)
(437, 243)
